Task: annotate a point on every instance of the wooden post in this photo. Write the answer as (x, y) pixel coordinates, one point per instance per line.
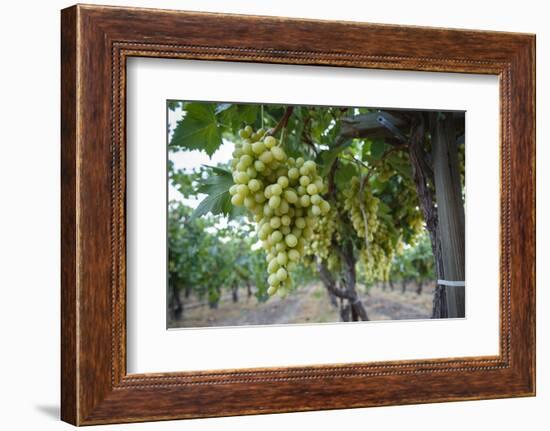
(450, 208)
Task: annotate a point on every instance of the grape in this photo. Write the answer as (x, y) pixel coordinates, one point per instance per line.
(270, 142)
(273, 266)
(246, 132)
(273, 281)
(305, 201)
(275, 222)
(282, 258)
(300, 222)
(293, 173)
(283, 181)
(274, 202)
(254, 185)
(258, 147)
(280, 246)
(266, 157)
(320, 185)
(297, 232)
(241, 178)
(283, 195)
(282, 274)
(242, 189)
(259, 166)
(284, 207)
(304, 180)
(272, 289)
(251, 172)
(291, 240)
(276, 189)
(312, 189)
(293, 255)
(290, 196)
(315, 199)
(310, 165)
(278, 153)
(267, 210)
(249, 202)
(237, 199)
(246, 148)
(276, 236)
(246, 160)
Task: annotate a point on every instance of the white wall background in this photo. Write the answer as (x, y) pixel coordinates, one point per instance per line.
(29, 215)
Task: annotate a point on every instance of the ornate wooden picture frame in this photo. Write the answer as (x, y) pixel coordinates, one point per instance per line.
(96, 41)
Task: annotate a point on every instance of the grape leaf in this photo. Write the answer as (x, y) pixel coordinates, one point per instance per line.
(233, 115)
(217, 200)
(248, 113)
(383, 208)
(401, 166)
(198, 130)
(326, 157)
(344, 174)
(377, 149)
(293, 140)
(366, 149)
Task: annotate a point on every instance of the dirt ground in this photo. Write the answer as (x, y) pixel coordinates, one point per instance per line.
(309, 304)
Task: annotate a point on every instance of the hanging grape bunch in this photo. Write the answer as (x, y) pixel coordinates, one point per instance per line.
(284, 196)
(325, 231)
(363, 210)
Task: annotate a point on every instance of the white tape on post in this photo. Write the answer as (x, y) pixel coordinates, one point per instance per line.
(451, 283)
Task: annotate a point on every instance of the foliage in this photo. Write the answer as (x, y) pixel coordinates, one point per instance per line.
(415, 263)
(203, 257)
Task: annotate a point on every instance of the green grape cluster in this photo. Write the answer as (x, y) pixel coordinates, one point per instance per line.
(323, 235)
(363, 209)
(377, 259)
(375, 263)
(283, 194)
(407, 215)
(326, 235)
(334, 263)
(353, 200)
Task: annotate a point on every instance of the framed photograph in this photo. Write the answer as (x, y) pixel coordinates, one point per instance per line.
(267, 215)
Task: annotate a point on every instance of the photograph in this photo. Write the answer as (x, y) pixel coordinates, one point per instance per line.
(298, 214)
